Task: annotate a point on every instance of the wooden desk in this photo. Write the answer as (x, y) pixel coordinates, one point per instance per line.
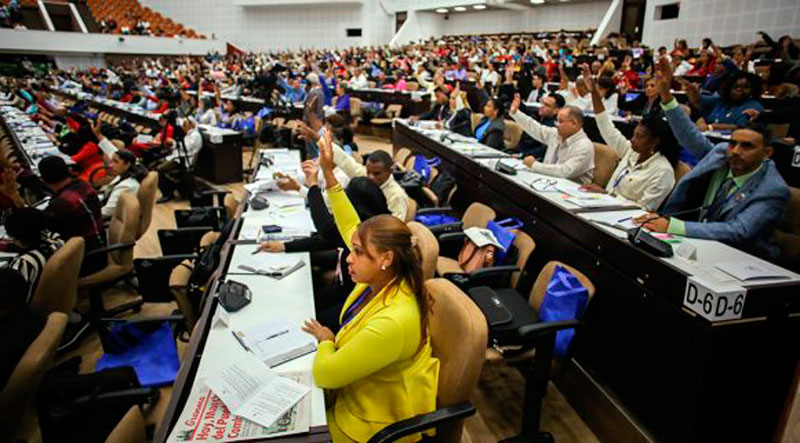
(644, 367)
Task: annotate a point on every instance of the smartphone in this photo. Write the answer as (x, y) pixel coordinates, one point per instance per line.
(271, 229)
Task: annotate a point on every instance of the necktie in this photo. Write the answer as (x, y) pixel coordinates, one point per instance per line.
(722, 196)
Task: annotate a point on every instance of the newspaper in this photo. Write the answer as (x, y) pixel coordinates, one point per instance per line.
(206, 419)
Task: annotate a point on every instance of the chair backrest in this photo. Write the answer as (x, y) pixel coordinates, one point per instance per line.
(412, 86)
(355, 107)
(511, 134)
(57, 290)
(540, 285)
(16, 398)
(131, 429)
(147, 200)
(394, 111)
(478, 214)
(178, 287)
(681, 169)
(231, 204)
(123, 228)
(401, 155)
(411, 210)
(476, 118)
(458, 334)
(524, 245)
(409, 164)
(428, 246)
(605, 162)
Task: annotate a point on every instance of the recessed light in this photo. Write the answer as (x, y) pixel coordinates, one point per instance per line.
(460, 8)
(479, 6)
(442, 11)
(537, 2)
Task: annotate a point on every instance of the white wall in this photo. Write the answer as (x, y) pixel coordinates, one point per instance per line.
(262, 28)
(418, 26)
(48, 42)
(727, 22)
(80, 61)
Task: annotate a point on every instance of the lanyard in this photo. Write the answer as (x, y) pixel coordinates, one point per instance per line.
(717, 207)
(624, 174)
(350, 313)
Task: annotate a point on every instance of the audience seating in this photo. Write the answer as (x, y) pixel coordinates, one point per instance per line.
(511, 135)
(605, 162)
(787, 234)
(57, 290)
(126, 13)
(535, 360)
(458, 335)
(17, 414)
(428, 246)
(146, 195)
(131, 429)
(681, 169)
(411, 210)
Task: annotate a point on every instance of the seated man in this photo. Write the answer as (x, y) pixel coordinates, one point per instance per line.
(550, 104)
(739, 193)
(171, 169)
(439, 110)
(26, 228)
(379, 170)
(19, 324)
(570, 153)
(74, 210)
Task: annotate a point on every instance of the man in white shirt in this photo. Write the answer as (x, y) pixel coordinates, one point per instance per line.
(169, 171)
(379, 170)
(359, 80)
(570, 152)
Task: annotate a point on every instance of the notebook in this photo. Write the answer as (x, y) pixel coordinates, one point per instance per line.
(276, 341)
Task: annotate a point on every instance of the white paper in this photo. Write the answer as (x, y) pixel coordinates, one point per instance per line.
(482, 237)
(286, 199)
(251, 390)
(750, 270)
(276, 341)
(270, 263)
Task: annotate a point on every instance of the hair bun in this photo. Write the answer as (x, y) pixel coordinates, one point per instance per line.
(414, 240)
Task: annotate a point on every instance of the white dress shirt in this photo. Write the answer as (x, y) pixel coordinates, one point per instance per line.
(647, 183)
(572, 158)
(193, 141)
(396, 197)
(114, 189)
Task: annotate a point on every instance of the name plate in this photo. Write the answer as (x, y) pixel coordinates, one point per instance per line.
(714, 303)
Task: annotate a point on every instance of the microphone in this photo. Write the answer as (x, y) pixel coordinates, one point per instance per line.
(645, 241)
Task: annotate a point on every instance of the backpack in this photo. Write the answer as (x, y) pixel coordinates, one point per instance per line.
(442, 185)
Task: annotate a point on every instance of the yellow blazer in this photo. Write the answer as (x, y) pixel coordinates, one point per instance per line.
(376, 362)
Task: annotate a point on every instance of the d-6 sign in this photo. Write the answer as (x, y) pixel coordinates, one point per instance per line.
(714, 304)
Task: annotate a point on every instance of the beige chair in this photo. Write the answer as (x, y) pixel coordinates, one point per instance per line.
(787, 234)
(392, 112)
(412, 86)
(428, 246)
(57, 290)
(400, 157)
(355, 108)
(147, 200)
(131, 429)
(605, 162)
(122, 231)
(524, 246)
(458, 336)
(681, 169)
(17, 412)
(511, 134)
(231, 204)
(476, 118)
(476, 215)
(411, 209)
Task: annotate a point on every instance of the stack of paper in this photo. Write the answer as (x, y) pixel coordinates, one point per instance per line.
(276, 341)
(482, 237)
(751, 270)
(272, 265)
(285, 199)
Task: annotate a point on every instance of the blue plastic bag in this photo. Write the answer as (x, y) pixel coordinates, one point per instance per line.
(502, 232)
(153, 355)
(565, 299)
(435, 219)
(423, 166)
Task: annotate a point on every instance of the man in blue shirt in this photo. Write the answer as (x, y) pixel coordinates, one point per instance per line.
(295, 92)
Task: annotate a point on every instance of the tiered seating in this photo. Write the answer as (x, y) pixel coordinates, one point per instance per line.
(128, 12)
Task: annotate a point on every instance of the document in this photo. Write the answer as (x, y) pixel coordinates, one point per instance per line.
(482, 237)
(206, 418)
(285, 199)
(751, 270)
(276, 341)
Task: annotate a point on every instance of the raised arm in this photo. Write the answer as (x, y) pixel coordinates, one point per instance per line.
(535, 129)
(684, 129)
(344, 213)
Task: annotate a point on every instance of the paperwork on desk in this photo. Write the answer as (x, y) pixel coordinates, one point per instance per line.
(272, 265)
(259, 394)
(276, 341)
(751, 270)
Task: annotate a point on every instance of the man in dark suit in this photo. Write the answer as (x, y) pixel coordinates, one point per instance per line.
(439, 111)
(740, 193)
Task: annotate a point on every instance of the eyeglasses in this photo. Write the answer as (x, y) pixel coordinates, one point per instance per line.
(543, 184)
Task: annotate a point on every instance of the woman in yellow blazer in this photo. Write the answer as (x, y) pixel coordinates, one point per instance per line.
(380, 361)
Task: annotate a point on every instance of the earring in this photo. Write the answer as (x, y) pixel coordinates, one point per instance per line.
(383, 267)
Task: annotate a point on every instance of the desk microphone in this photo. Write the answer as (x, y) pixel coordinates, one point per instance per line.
(645, 241)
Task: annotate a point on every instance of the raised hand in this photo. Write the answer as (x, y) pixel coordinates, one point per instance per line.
(515, 104)
(311, 172)
(664, 79)
(588, 79)
(326, 153)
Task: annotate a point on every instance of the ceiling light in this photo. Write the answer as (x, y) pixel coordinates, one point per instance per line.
(442, 10)
(479, 6)
(537, 2)
(460, 8)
